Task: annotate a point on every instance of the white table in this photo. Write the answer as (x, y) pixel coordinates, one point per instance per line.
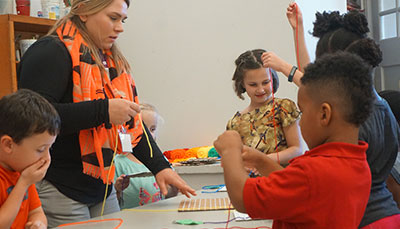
(162, 214)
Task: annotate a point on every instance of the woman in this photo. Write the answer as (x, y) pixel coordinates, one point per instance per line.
(80, 70)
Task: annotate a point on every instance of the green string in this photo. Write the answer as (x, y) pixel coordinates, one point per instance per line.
(187, 222)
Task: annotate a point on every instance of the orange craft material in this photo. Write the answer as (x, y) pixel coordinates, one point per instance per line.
(178, 155)
(175, 154)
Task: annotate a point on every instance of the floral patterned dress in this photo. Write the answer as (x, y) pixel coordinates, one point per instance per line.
(257, 127)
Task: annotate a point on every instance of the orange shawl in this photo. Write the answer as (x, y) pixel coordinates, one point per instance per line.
(97, 144)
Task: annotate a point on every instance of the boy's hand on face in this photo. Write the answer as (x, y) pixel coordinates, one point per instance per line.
(35, 172)
(228, 141)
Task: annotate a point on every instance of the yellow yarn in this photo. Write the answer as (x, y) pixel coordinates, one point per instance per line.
(202, 152)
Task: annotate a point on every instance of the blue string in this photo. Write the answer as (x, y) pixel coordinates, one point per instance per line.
(252, 174)
(215, 188)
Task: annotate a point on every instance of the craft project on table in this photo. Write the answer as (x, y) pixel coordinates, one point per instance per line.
(205, 204)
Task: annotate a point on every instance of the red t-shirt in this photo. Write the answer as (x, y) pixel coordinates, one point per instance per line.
(31, 200)
(327, 187)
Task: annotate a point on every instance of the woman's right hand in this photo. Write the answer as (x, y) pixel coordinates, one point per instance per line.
(121, 110)
(291, 14)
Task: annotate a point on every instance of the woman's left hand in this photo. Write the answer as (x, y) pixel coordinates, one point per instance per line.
(169, 177)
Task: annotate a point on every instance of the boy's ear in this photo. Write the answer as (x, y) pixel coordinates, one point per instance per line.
(6, 143)
(325, 114)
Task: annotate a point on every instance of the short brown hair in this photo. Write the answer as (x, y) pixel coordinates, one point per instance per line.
(247, 61)
(25, 113)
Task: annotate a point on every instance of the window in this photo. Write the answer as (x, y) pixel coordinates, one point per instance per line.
(388, 18)
(386, 5)
(388, 26)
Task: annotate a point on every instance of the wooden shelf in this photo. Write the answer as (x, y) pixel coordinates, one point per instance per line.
(12, 28)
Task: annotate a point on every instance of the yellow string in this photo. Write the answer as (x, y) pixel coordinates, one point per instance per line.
(115, 152)
(147, 137)
(109, 171)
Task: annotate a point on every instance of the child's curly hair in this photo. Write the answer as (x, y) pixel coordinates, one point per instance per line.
(345, 79)
(247, 61)
(347, 32)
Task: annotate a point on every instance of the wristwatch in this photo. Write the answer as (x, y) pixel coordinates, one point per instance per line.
(291, 74)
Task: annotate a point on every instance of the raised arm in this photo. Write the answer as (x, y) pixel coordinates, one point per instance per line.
(271, 60)
(295, 19)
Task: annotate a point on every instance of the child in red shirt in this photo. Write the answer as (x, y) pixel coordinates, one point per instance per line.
(28, 127)
(327, 187)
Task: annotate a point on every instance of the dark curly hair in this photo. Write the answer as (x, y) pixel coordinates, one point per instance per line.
(247, 61)
(346, 32)
(25, 113)
(345, 79)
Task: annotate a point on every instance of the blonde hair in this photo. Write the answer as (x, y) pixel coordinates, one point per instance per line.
(89, 7)
(148, 107)
(151, 108)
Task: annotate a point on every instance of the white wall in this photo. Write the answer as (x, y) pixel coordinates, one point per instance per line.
(309, 8)
(183, 51)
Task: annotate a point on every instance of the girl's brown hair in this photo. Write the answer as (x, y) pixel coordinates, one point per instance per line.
(247, 61)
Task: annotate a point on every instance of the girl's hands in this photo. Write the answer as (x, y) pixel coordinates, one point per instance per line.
(271, 60)
(291, 15)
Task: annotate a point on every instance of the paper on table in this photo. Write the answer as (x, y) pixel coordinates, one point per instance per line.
(223, 189)
(241, 216)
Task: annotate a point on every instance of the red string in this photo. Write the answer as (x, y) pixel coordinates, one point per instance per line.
(273, 119)
(236, 227)
(297, 37)
(229, 215)
(277, 155)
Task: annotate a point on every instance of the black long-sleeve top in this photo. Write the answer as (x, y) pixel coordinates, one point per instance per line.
(47, 69)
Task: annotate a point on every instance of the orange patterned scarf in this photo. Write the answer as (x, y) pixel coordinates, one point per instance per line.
(97, 144)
